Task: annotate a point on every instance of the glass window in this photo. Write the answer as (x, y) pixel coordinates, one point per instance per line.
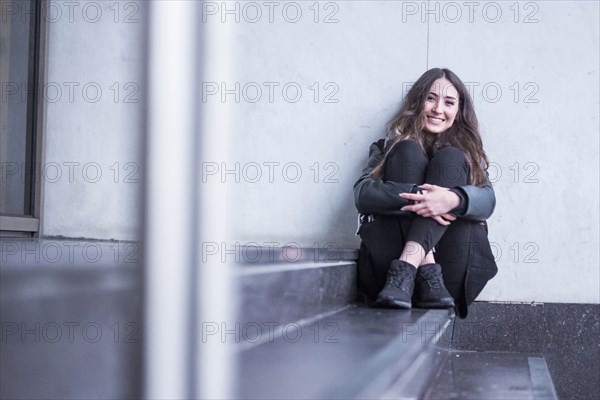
(19, 50)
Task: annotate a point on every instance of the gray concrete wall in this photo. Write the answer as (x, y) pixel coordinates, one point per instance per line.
(293, 156)
(92, 173)
(533, 71)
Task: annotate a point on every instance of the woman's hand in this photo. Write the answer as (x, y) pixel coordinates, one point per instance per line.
(435, 202)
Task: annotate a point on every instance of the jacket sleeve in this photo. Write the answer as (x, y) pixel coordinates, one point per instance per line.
(375, 196)
(481, 201)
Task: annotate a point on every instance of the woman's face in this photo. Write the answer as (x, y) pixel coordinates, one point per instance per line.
(441, 106)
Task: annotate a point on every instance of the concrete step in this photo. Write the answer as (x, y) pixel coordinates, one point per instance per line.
(492, 375)
(71, 327)
(70, 319)
(276, 295)
(357, 353)
(71, 310)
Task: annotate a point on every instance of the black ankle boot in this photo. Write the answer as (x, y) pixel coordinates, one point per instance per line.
(399, 286)
(430, 290)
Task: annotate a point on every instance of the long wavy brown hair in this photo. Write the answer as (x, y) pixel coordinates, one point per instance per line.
(409, 121)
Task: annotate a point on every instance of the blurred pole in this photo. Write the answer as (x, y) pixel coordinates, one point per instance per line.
(187, 294)
(170, 235)
(217, 296)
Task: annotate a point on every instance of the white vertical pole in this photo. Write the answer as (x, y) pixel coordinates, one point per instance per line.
(170, 176)
(217, 295)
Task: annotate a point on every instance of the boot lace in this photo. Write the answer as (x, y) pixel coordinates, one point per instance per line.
(399, 279)
(435, 282)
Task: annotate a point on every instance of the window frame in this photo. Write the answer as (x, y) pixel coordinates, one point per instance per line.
(29, 224)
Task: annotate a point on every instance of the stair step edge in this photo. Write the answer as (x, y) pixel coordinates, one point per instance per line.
(385, 368)
(541, 380)
(274, 268)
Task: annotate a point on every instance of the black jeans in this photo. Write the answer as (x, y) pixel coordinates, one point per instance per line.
(447, 168)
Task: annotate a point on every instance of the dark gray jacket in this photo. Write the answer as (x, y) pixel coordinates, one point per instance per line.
(375, 196)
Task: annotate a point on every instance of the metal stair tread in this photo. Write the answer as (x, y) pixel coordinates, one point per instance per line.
(354, 353)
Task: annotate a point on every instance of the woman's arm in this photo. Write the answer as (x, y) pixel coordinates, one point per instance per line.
(374, 196)
(468, 202)
(480, 201)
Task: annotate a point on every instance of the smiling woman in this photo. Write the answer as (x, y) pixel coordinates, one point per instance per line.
(424, 198)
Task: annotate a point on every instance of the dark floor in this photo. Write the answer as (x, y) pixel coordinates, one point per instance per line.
(491, 376)
(566, 334)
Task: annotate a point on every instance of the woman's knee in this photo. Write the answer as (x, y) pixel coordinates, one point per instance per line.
(407, 150)
(406, 162)
(449, 154)
(448, 167)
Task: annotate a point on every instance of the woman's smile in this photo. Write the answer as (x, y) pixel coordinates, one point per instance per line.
(435, 120)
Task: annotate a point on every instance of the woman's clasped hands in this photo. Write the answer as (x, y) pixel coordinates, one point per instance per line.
(433, 202)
